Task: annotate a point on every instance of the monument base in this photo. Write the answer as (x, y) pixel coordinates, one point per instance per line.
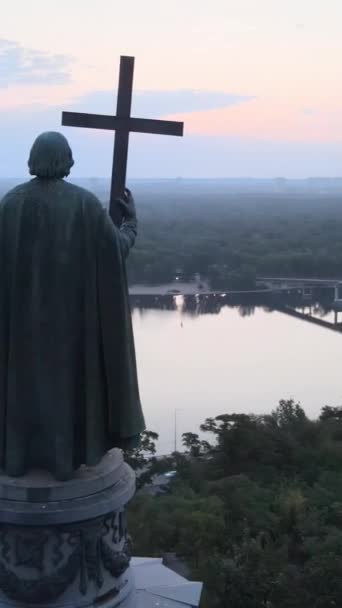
(65, 544)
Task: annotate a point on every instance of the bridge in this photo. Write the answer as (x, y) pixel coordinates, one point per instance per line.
(305, 285)
(308, 287)
(300, 282)
(309, 317)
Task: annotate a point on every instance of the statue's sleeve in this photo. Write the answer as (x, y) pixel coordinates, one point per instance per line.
(125, 414)
(128, 233)
(128, 229)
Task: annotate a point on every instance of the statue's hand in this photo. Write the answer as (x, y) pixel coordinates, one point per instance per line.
(127, 206)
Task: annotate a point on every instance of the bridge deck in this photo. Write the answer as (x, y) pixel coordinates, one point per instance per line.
(301, 281)
(309, 318)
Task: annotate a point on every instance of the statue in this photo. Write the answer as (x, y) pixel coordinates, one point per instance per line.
(68, 380)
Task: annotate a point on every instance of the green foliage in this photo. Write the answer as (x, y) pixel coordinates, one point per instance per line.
(256, 510)
(141, 458)
(232, 238)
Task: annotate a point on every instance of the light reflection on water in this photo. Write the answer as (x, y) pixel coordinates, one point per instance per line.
(242, 359)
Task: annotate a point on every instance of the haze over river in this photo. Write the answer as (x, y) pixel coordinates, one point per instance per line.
(229, 359)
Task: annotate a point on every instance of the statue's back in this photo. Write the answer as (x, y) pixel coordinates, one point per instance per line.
(56, 405)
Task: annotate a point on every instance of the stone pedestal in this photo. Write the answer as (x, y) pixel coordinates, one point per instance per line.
(65, 544)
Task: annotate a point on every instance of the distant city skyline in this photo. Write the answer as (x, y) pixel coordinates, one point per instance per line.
(256, 82)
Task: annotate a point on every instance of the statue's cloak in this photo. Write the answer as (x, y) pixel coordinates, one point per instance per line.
(68, 379)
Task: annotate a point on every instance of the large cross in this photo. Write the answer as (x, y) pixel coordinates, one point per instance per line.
(122, 124)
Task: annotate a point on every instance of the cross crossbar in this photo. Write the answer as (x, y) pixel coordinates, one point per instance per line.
(123, 123)
(113, 123)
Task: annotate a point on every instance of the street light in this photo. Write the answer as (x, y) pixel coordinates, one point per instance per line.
(177, 409)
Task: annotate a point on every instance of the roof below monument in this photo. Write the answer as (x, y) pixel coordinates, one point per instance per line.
(158, 586)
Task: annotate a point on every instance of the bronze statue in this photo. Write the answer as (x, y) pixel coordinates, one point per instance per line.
(68, 380)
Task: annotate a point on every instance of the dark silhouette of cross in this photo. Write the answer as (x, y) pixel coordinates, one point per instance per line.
(122, 124)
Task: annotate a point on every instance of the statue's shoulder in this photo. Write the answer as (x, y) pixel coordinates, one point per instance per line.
(68, 195)
(15, 193)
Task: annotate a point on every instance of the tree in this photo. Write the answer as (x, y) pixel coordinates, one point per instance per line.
(289, 414)
(141, 458)
(331, 413)
(195, 446)
(192, 442)
(259, 519)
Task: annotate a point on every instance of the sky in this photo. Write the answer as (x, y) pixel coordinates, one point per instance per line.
(257, 83)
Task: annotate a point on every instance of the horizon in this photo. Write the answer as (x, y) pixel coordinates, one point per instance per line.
(246, 178)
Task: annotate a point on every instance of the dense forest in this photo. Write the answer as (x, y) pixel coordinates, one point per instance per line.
(230, 231)
(254, 511)
(231, 237)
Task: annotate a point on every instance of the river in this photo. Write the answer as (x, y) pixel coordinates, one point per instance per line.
(195, 362)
